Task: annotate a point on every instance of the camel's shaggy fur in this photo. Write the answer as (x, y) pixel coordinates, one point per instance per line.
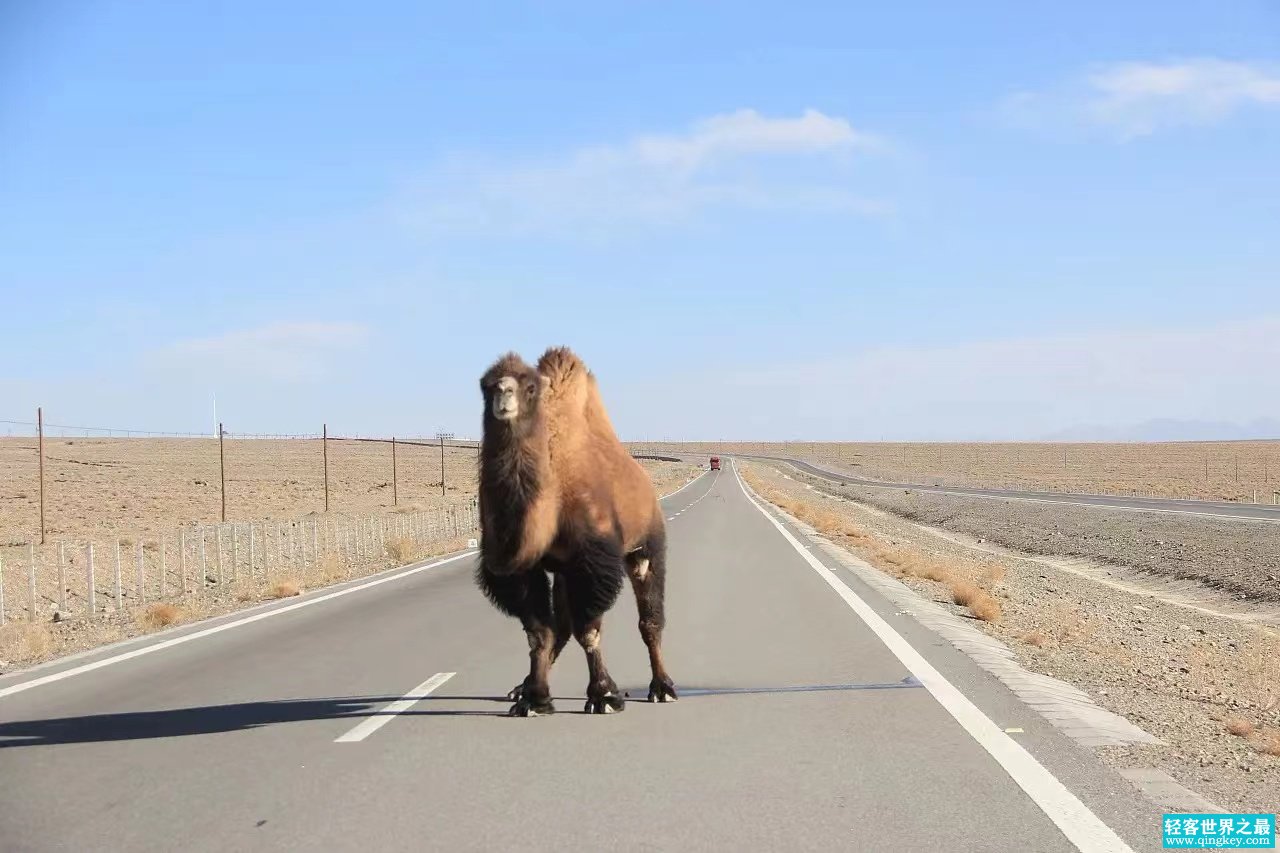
(565, 513)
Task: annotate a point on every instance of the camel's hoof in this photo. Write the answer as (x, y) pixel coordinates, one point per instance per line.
(609, 703)
(516, 692)
(662, 690)
(529, 708)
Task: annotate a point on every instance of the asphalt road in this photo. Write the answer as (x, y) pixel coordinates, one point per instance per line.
(812, 717)
(1223, 509)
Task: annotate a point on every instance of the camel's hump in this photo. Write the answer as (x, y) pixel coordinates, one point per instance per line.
(562, 366)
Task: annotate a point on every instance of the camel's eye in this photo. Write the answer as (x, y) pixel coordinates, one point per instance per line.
(530, 388)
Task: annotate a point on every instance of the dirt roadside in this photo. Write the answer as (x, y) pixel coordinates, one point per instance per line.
(1207, 686)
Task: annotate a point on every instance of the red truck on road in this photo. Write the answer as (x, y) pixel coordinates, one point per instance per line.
(715, 463)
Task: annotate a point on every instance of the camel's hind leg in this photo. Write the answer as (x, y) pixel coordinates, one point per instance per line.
(593, 586)
(647, 569)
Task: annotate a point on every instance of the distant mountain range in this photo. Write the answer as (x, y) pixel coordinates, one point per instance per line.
(1170, 429)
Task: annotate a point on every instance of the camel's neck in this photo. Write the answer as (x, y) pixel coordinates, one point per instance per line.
(513, 471)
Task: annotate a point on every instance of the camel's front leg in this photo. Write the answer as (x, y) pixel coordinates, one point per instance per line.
(560, 620)
(527, 595)
(593, 587)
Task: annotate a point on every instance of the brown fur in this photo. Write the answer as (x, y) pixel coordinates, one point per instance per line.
(594, 475)
(561, 497)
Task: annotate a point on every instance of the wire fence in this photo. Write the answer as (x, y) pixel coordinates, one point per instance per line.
(136, 481)
(85, 577)
(102, 520)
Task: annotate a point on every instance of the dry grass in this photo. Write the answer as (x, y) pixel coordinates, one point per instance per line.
(23, 641)
(284, 589)
(402, 550)
(986, 608)
(1035, 638)
(898, 560)
(936, 572)
(330, 569)
(992, 575)
(1269, 742)
(161, 614)
(1239, 727)
(978, 600)
(965, 593)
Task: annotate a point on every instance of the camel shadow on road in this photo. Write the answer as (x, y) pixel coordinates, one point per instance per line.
(241, 716)
(211, 719)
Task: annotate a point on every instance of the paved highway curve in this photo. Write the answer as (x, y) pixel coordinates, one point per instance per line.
(369, 717)
(1177, 506)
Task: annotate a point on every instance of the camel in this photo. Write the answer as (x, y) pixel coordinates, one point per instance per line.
(565, 513)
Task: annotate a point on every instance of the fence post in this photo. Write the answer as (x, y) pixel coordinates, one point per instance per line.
(217, 543)
(119, 588)
(62, 576)
(92, 599)
(395, 492)
(31, 578)
(141, 587)
(40, 430)
(324, 444)
(222, 471)
(442, 437)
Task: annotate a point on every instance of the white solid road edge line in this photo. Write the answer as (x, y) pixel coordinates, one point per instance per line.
(155, 647)
(1080, 825)
(371, 724)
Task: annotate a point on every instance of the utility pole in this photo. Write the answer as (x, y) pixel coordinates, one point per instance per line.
(40, 428)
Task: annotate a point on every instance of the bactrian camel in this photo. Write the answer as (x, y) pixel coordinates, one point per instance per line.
(565, 513)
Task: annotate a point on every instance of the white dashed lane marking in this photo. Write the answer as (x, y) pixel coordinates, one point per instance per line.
(695, 503)
(371, 724)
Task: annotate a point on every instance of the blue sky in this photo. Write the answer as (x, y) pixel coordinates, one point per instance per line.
(900, 221)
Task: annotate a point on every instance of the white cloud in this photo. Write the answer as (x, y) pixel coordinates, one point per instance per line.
(284, 351)
(1017, 387)
(1135, 99)
(740, 159)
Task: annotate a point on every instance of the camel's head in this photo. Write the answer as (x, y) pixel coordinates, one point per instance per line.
(512, 390)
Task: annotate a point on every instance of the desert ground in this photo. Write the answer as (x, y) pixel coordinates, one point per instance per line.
(1244, 471)
(140, 486)
(1206, 684)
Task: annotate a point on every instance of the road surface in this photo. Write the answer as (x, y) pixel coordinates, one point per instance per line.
(1223, 509)
(369, 717)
